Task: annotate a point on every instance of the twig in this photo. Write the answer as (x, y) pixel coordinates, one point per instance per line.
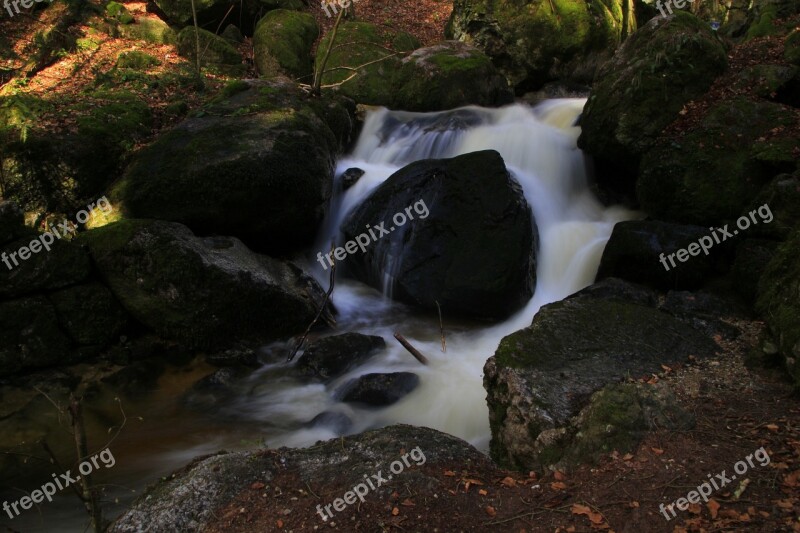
(89, 497)
(321, 307)
(441, 327)
(413, 351)
(315, 87)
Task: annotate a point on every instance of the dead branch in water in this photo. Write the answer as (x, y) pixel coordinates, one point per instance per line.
(441, 327)
(413, 351)
(321, 307)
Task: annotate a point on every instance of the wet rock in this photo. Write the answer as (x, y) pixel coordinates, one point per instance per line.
(378, 389)
(330, 357)
(350, 177)
(206, 293)
(544, 375)
(339, 423)
(618, 289)
(633, 253)
(453, 207)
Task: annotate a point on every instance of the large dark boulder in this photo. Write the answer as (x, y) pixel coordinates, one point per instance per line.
(283, 41)
(469, 242)
(204, 292)
(258, 165)
(544, 375)
(30, 337)
(89, 314)
(333, 356)
(639, 251)
(642, 89)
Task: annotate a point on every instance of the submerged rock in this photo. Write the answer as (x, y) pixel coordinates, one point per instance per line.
(468, 240)
(330, 357)
(378, 389)
(208, 293)
(339, 423)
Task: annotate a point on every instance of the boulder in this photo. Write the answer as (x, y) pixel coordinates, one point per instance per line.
(198, 496)
(257, 164)
(283, 41)
(634, 253)
(668, 62)
(711, 174)
(778, 301)
(89, 314)
(63, 265)
(536, 41)
(453, 207)
(215, 51)
(332, 356)
(782, 198)
(339, 423)
(544, 375)
(378, 389)
(204, 292)
(151, 30)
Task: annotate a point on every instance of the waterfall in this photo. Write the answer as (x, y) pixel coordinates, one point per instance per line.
(539, 148)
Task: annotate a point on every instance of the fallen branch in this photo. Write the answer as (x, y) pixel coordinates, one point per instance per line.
(441, 328)
(321, 307)
(413, 351)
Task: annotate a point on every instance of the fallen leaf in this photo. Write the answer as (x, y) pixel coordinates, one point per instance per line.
(772, 427)
(634, 504)
(509, 482)
(407, 503)
(559, 475)
(742, 486)
(694, 508)
(657, 451)
(449, 473)
(395, 511)
(558, 485)
(279, 523)
(482, 492)
(257, 485)
(713, 507)
(490, 511)
(627, 457)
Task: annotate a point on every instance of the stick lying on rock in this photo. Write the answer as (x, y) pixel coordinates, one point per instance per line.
(413, 351)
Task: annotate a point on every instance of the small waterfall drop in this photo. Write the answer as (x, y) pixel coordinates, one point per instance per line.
(539, 147)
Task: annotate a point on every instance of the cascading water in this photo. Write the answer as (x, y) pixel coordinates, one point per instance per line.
(538, 146)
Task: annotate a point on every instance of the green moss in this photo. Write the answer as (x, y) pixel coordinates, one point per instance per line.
(233, 87)
(136, 59)
(149, 30)
(285, 38)
(791, 49)
(87, 44)
(214, 50)
(764, 25)
(119, 13)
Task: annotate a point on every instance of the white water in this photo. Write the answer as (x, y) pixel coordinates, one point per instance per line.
(539, 148)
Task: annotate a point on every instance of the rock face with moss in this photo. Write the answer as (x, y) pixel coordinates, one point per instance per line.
(536, 41)
(470, 198)
(545, 375)
(282, 42)
(215, 51)
(778, 301)
(208, 292)
(642, 89)
(713, 173)
(257, 164)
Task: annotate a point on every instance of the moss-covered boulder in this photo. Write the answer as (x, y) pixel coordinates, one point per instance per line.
(779, 302)
(151, 30)
(215, 51)
(711, 174)
(89, 314)
(544, 375)
(203, 292)
(372, 51)
(448, 75)
(30, 337)
(641, 90)
(473, 201)
(210, 13)
(536, 41)
(118, 12)
(257, 164)
(791, 47)
(282, 41)
(34, 267)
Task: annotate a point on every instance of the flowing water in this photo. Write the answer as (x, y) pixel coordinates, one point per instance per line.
(539, 147)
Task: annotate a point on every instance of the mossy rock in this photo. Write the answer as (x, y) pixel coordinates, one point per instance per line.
(782, 198)
(214, 50)
(779, 302)
(285, 37)
(640, 91)
(711, 174)
(535, 41)
(150, 30)
(204, 292)
(257, 165)
(137, 59)
(446, 76)
(29, 335)
(791, 48)
(62, 265)
(118, 12)
(373, 84)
